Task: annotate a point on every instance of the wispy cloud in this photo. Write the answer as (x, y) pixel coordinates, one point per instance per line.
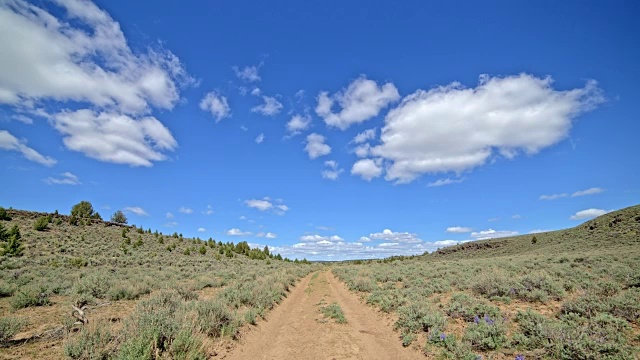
(136, 210)
(66, 178)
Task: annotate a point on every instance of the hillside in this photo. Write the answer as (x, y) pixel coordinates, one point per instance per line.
(611, 232)
(128, 283)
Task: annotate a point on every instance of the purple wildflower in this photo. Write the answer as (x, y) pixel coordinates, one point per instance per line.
(476, 319)
(443, 336)
(487, 319)
(520, 357)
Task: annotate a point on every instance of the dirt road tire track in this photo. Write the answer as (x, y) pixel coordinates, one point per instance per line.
(296, 329)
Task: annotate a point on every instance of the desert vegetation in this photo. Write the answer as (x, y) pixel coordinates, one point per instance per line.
(134, 293)
(570, 294)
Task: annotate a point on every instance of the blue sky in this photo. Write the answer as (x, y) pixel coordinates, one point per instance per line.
(323, 130)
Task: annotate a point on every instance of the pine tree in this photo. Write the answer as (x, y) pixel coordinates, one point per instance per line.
(13, 245)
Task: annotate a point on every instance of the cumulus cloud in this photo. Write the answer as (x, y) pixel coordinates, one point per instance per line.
(248, 73)
(53, 57)
(360, 101)
(113, 137)
(216, 104)
(588, 214)
(136, 210)
(459, 229)
(537, 231)
(270, 107)
(185, 210)
(202, 229)
(268, 235)
(169, 215)
(362, 151)
(332, 171)
(66, 178)
(490, 234)
(453, 129)
(298, 124)
(446, 181)
(266, 204)
(259, 139)
(395, 237)
(367, 168)
(365, 136)
(208, 211)
(11, 143)
(316, 147)
(238, 232)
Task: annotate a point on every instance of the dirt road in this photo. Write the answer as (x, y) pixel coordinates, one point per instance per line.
(296, 329)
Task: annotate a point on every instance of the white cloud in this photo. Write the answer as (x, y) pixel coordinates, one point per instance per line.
(50, 60)
(333, 171)
(185, 210)
(298, 124)
(169, 215)
(256, 92)
(360, 101)
(209, 210)
(459, 229)
(446, 181)
(171, 224)
(66, 179)
(268, 235)
(113, 137)
(445, 243)
(265, 204)
(395, 237)
(537, 231)
(202, 229)
(270, 107)
(243, 128)
(260, 139)
(553, 196)
(216, 104)
(362, 150)
(248, 73)
(365, 136)
(316, 147)
(453, 129)
(11, 143)
(136, 210)
(588, 214)
(367, 168)
(238, 232)
(591, 191)
(490, 234)
(516, 216)
(22, 119)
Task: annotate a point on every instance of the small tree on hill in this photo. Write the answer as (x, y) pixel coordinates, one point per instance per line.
(13, 245)
(3, 214)
(119, 217)
(82, 210)
(41, 224)
(534, 240)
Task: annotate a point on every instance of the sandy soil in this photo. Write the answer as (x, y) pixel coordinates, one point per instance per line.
(296, 329)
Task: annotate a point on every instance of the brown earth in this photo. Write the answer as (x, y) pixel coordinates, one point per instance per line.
(296, 329)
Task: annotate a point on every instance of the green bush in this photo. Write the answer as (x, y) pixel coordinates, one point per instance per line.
(92, 342)
(486, 333)
(30, 295)
(12, 239)
(215, 319)
(3, 214)
(468, 308)
(41, 223)
(335, 312)
(119, 217)
(420, 317)
(82, 210)
(534, 330)
(9, 326)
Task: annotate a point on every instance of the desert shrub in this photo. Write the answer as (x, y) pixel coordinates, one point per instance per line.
(128, 291)
(451, 347)
(486, 333)
(419, 316)
(82, 210)
(7, 289)
(215, 319)
(9, 326)
(534, 330)
(41, 223)
(95, 284)
(626, 305)
(335, 312)
(537, 287)
(491, 285)
(92, 342)
(78, 262)
(30, 295)
(119, 217)
(468, 308)
(587, 305)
